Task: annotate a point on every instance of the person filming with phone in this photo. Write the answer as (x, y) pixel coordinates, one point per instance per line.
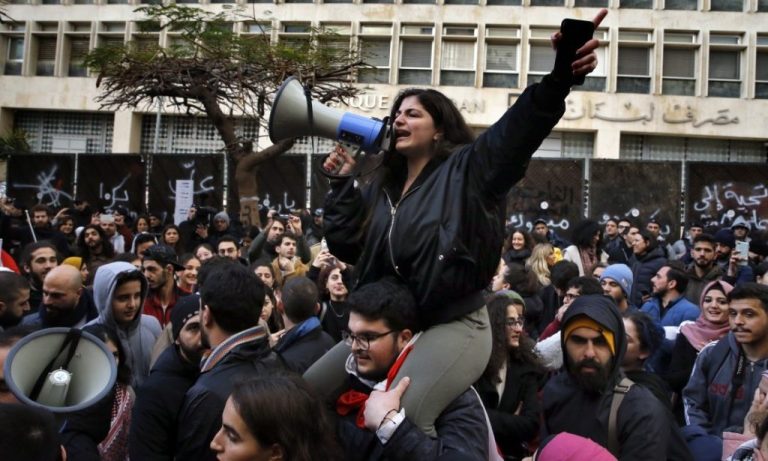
(433, 217)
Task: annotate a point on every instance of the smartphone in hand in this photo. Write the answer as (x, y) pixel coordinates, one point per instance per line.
(575, 33)
(743, 249)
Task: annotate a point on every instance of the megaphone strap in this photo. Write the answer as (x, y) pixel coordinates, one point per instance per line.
(72, 340)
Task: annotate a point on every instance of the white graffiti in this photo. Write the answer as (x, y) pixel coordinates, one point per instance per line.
(201, 187)
(722, 203)
(266, 204)
(46, 193)
(113, 195)
(518, 221)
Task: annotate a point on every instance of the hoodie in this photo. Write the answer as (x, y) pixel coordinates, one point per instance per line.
(644, 428)
(138, 337)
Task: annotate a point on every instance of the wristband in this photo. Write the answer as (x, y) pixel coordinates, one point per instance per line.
(386, 418)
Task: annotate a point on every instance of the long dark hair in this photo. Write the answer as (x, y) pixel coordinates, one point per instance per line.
(282, 409)
(105, 334)
(584, 232)
(524, 353)
(446, 118)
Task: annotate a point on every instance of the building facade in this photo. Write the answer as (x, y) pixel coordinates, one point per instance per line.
(678, 79)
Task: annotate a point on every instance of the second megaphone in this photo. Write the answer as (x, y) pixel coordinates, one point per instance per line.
(291, 118)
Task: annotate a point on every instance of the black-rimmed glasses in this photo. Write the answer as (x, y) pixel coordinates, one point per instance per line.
(364, 339)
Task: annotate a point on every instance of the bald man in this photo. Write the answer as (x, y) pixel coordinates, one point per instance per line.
(66, 303)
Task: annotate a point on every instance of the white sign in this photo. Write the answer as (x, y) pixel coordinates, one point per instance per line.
(185, 193)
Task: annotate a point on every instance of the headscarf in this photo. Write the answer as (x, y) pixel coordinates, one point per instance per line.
(702, 331)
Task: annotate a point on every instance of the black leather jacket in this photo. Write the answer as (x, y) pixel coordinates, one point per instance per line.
(444, 236)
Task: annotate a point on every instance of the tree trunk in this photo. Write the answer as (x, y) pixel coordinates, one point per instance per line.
(247, 184)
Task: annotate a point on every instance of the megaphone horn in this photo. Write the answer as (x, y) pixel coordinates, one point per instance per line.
(294, 114)
(62, 370)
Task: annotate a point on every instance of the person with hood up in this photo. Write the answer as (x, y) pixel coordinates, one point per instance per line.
(579, 399)
(119, 291)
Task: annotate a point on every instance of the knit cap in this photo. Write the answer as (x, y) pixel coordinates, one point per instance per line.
(582, 321)
(186, 307)
(621, 274)
(221, 215)
(725, 237)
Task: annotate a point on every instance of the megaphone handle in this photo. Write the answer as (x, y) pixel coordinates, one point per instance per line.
(72, 340)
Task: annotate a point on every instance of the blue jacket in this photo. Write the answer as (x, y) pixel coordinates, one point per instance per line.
(708, 395)
(676, 313)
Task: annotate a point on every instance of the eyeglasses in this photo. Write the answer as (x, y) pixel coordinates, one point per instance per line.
(515, 322)
(364, 340)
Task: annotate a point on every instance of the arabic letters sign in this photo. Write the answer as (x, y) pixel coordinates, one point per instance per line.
(552, 190)
(639, 191)
(619, 110)
(41, 178)
(720, 193)
(110, 181)
(205, 172)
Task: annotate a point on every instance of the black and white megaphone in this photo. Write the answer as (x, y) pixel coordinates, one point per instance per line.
(62, 370)
(294, 115)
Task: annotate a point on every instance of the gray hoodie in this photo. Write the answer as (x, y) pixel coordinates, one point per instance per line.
(140, 335)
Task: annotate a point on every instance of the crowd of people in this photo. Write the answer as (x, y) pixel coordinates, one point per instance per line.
(399, 322)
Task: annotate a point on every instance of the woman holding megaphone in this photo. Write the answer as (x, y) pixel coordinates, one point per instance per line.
(433, 216)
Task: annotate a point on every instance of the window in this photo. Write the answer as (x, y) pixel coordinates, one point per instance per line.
(638, 4)
(541, 55)
(257, 28)
(415, 55)
(679, 63)
(505, 2)
(461, 2)
(591, 3)
(48, 130)
(725, 52)
(46, 56)
(457, 57)
(761, 68)
(502, 50)
(547, 3)
(375, 46)
(78, 48)
(762, 5)
(634, 66)
(688, 5)
(295, 34)
(14, 59)
(727, 5)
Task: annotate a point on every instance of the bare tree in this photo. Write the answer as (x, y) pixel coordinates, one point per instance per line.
(214, 71)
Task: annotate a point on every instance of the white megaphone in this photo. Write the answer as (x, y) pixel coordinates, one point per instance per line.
(62, 370)
(294, 115)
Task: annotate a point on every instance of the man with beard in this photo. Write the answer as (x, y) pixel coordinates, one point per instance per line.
(14, 299)
(382, 332)
(667, 306)
(579, 399)
(95, 248)
(158, 401)
(703, 269)
(159, 264)
(37, 259)
(727, 373)
(44, 230)
(108, 225)
(65, 302)
(232, 297)
(725, 242)
(264, 246)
